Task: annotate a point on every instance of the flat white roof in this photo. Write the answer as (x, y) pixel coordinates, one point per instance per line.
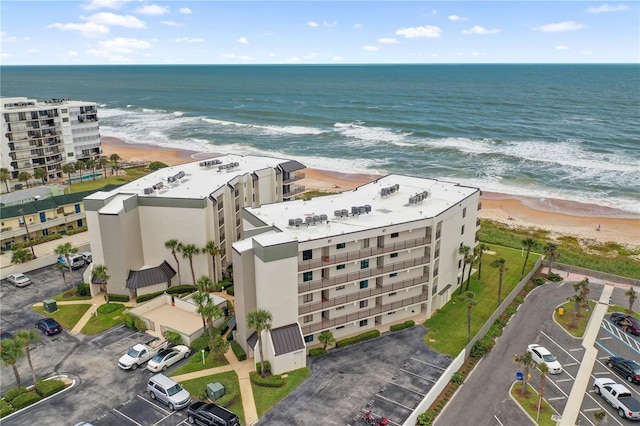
(116, 205)
(405, 199)
(193, 181)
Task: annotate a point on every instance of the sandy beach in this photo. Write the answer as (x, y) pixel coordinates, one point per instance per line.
(587, 222)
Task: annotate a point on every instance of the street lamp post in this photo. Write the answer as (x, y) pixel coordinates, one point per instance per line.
(28, 235)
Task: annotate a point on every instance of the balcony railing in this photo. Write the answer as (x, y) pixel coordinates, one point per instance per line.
(294, 177)
(363, 314)
(53, 220)
(297, 189)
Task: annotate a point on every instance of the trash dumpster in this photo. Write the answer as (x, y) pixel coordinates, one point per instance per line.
(50, 305)
(215, 391)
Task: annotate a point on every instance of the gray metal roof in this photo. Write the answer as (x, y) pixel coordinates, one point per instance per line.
(151, 276)
(287, 339)
(252, 340)
(291, 166)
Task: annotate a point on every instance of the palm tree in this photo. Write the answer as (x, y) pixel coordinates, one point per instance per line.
(12, 351)
(211, 312)
(500, 264)
(200, 298)
(91, 164)
(599, 417)
(582, 287)
(114, 157)
(24, 177)
(5, 175)
(526, 361)
(27, 337)
(464, 251)
(188, 251)
(61, 268)
(21, 256)
(479, 251)
(212, 250)
(103, 161)
(528, 244)
(40, 173)
(101, 272)
(632, 295)
(205, 284)
(260, 319)
(69, 168)
(577, 301)
(544, 370)
(326, 338)
(550, 250)
(175, 247)
(66, 250)
(80, 166)
(468, 298)
(470, 260)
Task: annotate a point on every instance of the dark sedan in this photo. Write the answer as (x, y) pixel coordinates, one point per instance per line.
(205, 414)
(627, 368)
(626, 322)
(49, 326)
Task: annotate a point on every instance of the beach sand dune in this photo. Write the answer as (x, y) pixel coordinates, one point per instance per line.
(586, 222)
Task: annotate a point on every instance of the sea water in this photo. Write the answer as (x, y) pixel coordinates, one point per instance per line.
(557, 131)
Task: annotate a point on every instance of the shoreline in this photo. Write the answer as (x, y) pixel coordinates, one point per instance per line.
(584, 221)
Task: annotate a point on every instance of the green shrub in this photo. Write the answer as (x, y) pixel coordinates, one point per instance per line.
(457, 378)
(426, 418)
(118, 298)
(77, 230)
(406, 324)
(83, 289)
(107, 308)
(224, 328)
(539, 280)
(200, 343)
(237, 349)
(371, 334)
(13, 392)
(229, 336)
(267, 366)
(267, 382)
(316, 352)
(230, 291)
(47, 388)
(173, 337)
(133, 322)
(157, 165)
(25, 400)
(555, 278)
(196, 358)
(481, 348)
(511, 310)
(5, 408)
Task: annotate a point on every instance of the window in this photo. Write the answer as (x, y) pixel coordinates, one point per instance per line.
(363, 323)
(394, 254)
(307, 318)
(394, 274)
(308, 338)
(340, 287)
(462, 230)
(394, 235)
(393, 293)
(339, 308)
(464, 212)
(364, 264)
(364, 304)
(341, 245)
(459, 263)
(341, 266)
(69, 154)
(63, 110)
(307, 254)
(307, 276)
(391, 313)
(65, 119)
(307, 298)
(364, 283)
(340, 328)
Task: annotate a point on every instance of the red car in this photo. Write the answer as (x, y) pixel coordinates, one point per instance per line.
(626, 322)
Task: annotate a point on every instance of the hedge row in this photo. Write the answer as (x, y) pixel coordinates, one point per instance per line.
(5, 408)
(48, 387)
(107, 308)
(317, 352)
(237, 349)
(118, 298)
(267, 366)
(267, 382)
(24, 400)
(371, 334)
(406, 324)
(13, 392)
(185, 288)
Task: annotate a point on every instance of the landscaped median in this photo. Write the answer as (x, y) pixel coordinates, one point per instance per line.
(16, 399)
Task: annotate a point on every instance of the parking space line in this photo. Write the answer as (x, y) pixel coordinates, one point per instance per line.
(591, 409)
(576, 349)
(615, 332)
(560, 347)
(589, 394)
(587, 418)
(126, 417)
(407, 389)
(153, 404)
(163, 419)
(428, 363)
(571, 364)
(498, 420)
(601, 373)
(606, 338)
(563, 380)
(557, 398)
(394, 402)
(417, 375)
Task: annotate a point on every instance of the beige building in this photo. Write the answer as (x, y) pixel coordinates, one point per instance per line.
(349, 262)
(193, 203)
(46, 135)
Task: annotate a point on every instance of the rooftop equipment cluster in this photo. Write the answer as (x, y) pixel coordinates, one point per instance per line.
(355, 211)
(309, 220)
(418, 197)
(209, 163)
(175, 177)
(389, 190)
(228, 166)
(158, 185)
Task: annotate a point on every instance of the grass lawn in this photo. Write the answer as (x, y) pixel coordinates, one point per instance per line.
(94, 185)
(102, 322)
(67, 315)
(450, 337)
(194, 386)
(266, 398)
(69, 295)
(530, 405)
(618, 308)
(566, 319)
(195, 364)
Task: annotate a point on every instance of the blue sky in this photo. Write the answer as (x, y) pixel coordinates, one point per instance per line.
(318, 32)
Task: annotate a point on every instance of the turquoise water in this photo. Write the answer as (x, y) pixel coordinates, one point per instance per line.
(83, 178)
(562, 131)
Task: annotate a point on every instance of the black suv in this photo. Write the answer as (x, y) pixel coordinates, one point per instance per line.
(626, 322)
(627, 368)
(211, 414)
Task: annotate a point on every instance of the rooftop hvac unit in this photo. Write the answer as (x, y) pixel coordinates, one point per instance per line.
(323, 218)
(171, 179)
(361, 210)
(203, 163)
(316, 219)
(384, 192)
(354, 210)
(367, 208)
(344, 212)
(337, 213)
(292, 222)
(397, 187)
(308, 220)
(298, 221)
(148, 191)
(412, 200)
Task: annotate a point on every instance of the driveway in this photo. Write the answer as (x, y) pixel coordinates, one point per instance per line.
(388, 376)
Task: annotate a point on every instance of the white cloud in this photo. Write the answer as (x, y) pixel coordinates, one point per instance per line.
(6, 38)
(330, 24)
(72, 53)
(124, 45)
(434, 55)
(243, 40)
(388, 40)
(357, 27)
(170, 23)
(562, 47)
(152, 9)
(478, 54)
(185, 11)
(480, 30)
(607, 8)
(371, 48)
(103, 4)
(587, 52)
(88, 29)
(457, 18)
(6, 55)
(338, 58)
(312, 24)
(108, 18)
(33, 50)
(189, 40)
(559, 26)
(427, 31)
(234, 56)
(310, 56)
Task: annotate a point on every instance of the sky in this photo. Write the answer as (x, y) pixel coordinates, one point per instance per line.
(112, 32)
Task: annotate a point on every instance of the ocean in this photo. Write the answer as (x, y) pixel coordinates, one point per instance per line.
(551, 131)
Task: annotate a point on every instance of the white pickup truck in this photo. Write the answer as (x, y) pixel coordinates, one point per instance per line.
(618, 396)
(141, 353)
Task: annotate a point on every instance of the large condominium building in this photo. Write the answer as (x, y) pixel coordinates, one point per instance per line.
(46, 135)
(193, 204)
(349, 262)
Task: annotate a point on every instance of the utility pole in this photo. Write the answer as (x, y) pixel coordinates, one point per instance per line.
(28, 235)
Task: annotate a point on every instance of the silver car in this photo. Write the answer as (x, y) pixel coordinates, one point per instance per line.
(168, 392)
(19, 280)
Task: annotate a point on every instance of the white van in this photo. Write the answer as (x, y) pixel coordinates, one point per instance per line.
(77, 261)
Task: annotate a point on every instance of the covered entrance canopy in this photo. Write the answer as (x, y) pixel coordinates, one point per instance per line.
(150, 276)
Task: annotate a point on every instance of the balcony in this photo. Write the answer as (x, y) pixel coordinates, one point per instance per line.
(293, 177)
(53, 220)
(364, 313)
(479, 206)
(297, 189)
(360, 254)
(477, 222)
